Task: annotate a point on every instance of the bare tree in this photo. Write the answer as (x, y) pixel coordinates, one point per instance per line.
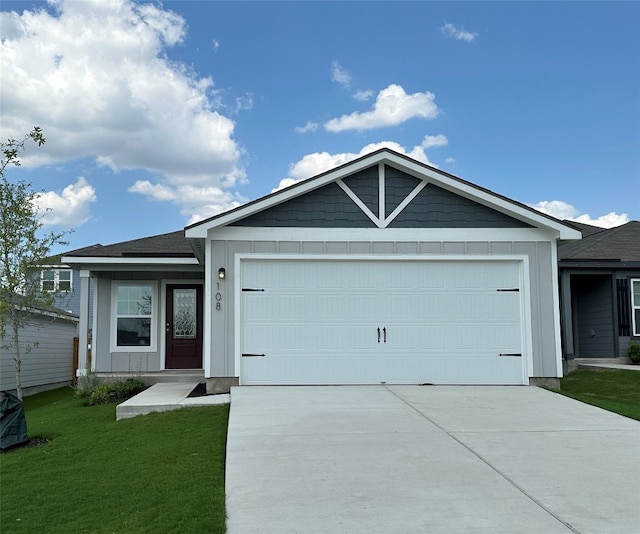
(24, 249)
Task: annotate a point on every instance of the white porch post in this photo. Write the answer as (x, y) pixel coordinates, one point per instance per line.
(208, 280)
(83, 333)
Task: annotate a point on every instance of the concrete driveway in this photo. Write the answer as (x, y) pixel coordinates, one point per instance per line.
(431, 459)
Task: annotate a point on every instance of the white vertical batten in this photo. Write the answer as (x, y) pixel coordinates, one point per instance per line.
(207, 353)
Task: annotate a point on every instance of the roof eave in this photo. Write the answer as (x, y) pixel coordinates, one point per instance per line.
(97, 260)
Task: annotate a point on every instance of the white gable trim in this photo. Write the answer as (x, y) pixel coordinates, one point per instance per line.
(412, 167)
(249, 233)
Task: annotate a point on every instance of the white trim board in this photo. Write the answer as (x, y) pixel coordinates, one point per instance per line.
(486, 235)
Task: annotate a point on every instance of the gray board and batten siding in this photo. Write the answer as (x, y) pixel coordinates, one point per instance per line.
(433, 208)
(124, 361)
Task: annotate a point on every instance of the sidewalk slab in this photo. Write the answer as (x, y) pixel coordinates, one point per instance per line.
(163, 397)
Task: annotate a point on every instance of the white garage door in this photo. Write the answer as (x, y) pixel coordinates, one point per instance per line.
(371, 322)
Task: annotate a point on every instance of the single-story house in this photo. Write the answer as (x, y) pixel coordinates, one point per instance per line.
(600, 292)
(49, 364)
(382, 270)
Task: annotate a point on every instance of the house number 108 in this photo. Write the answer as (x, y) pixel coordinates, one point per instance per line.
(218, 299)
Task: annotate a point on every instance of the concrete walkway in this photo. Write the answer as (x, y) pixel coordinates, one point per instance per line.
(163, 397)
(442, 459)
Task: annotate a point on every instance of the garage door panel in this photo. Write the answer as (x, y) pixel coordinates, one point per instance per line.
(317, 322)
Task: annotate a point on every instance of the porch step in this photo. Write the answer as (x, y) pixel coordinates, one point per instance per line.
(164, 397)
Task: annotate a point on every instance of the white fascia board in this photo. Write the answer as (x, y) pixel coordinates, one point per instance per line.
(246, 233)
(89, 260)
(487, 198)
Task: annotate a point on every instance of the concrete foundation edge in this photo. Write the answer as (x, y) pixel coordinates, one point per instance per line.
(221, 384)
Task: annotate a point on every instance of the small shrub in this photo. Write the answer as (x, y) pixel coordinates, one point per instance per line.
(125, 389)
(103, 392)
(86, 384)
(634, 352)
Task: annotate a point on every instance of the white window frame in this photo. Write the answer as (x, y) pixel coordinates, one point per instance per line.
(56, 279)
(152, 347)
(635, 306)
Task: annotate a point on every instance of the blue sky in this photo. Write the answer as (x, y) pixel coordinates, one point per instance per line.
(160, 114)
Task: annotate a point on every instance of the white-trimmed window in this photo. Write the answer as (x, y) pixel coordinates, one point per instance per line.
(635, 306)
(56, 280)
(133, 317)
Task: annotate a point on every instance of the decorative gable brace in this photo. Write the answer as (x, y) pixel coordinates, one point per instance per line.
(380, 219)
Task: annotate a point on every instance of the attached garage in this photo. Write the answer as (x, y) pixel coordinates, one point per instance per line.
(383, 270)
(394, 321)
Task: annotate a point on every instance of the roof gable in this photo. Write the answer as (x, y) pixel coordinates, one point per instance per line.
(381, 186)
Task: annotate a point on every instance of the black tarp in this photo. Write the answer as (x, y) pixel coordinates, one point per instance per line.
(13, 424)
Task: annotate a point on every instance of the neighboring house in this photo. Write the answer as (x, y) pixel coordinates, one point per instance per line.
(50, 363)
(383, 270)
(65, 281)
(600, 292)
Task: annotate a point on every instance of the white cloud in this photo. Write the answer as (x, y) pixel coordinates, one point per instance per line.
(284, 183)
(309, 127)
(153, 191)
(197, 203)
(458, 33)
(362, 96)
(392, 106)
(215, 45)
(340, 75)
(434, 140)
(96, 77)
(70, 208)
(450, 160)
(563, 210)
(319, 162)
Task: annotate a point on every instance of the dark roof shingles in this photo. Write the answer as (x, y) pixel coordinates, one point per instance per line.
(173, 244)
(621, 243)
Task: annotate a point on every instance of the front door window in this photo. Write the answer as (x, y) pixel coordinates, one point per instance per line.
(184, 313)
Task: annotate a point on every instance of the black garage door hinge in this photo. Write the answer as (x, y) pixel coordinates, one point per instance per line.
(517, 354)
(251, 289)
(253, 355)
(514, 289)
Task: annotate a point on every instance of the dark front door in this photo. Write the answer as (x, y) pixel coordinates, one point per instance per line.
(184, 327)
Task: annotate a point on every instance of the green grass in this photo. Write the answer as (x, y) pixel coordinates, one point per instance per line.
(156, 473)
(616, 390)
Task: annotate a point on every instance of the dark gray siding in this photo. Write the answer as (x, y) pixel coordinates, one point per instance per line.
(593, 315)
(398, 185)
(365, 185)
(331, 207)
(327, 207)
(435, 207)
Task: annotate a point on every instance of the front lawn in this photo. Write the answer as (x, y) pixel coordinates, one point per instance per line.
(616, 390)
(156, 473)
